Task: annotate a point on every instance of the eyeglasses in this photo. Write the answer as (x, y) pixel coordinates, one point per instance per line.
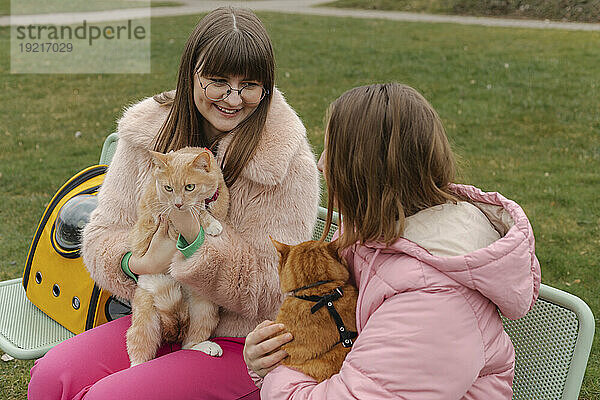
(220, 90)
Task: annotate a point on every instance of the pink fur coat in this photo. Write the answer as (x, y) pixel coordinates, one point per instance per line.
(276, 194)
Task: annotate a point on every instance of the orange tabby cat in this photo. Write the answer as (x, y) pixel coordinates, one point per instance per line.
(315, 280)
(162, 308)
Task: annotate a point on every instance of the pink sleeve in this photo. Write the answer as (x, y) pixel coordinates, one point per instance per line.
(420, 345)
(255, 378)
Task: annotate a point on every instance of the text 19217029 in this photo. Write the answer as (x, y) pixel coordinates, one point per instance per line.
(47, 47)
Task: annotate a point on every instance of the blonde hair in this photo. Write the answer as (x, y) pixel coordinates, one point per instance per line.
(226, 42)
(387, 158)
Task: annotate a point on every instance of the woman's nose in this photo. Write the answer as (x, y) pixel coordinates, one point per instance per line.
(321, 162)
(234, 98)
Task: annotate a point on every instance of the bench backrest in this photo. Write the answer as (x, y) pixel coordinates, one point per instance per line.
(552, 342)
(552, 345)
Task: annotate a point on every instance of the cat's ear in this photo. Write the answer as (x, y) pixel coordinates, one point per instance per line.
(159, 160)
(333, 249)
(282, 248)
(202, 161)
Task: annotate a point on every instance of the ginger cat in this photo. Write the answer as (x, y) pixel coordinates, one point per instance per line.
(162, 308)
(315, 279)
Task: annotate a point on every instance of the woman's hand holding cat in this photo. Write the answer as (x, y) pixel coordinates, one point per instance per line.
(262, 350)
(159, 255)
(185, 223)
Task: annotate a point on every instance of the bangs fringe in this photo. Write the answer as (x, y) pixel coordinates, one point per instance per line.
(236, 54)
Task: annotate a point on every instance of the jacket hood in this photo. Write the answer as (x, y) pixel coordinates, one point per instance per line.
(503, 268)
(282, 135)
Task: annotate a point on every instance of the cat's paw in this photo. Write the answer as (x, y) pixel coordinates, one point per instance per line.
(214, 228)
(208, 347)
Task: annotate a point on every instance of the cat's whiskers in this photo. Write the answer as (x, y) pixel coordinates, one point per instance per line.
(164, 210)
(195, 213)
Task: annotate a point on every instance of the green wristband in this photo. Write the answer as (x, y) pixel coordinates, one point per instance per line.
(125, 266)
(188, 249)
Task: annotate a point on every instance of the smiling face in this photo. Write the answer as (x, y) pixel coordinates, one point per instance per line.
(223, 115)
(229, 43)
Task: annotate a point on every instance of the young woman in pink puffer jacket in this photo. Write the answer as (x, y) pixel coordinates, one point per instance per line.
(433, 262)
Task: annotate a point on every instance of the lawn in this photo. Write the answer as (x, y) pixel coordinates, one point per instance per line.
(520, 107)
(564, 10)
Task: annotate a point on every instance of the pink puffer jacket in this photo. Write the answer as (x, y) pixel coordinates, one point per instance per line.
(427, 313)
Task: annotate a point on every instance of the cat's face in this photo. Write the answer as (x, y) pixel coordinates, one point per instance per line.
(309, 262)
(185, 178)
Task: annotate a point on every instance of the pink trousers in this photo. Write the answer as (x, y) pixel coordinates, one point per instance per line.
(95, 365)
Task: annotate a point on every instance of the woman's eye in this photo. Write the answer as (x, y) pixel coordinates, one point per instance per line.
(168, 188)
(190, 187)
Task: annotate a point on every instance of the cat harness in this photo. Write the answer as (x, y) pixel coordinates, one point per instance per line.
(346, 337)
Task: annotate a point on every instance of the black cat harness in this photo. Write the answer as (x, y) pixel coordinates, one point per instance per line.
(346, 337)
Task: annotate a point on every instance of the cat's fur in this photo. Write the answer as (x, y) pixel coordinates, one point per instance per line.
(314, 350)
(162, 308)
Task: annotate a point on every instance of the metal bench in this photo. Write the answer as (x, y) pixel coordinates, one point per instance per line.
(552, 342)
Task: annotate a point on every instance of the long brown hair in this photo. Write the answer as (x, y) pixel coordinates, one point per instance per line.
(226, 42)
(387, 158)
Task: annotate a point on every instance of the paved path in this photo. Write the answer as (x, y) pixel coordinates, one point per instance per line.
(285, 6)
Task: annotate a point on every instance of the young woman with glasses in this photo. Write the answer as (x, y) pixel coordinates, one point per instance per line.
(225, 100)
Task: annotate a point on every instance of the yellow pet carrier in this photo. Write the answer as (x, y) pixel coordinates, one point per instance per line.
(55, 279)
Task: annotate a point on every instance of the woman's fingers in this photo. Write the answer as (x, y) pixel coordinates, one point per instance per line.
(261, 333)
(163, 227)
(262, 350)
(267, 346)
(263, 324)
(269, 362)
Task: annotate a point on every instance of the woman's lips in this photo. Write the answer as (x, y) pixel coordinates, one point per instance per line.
(227, 111)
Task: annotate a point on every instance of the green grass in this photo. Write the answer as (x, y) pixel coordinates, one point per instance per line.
(520, 107)
(427, 6)
(565, 10)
